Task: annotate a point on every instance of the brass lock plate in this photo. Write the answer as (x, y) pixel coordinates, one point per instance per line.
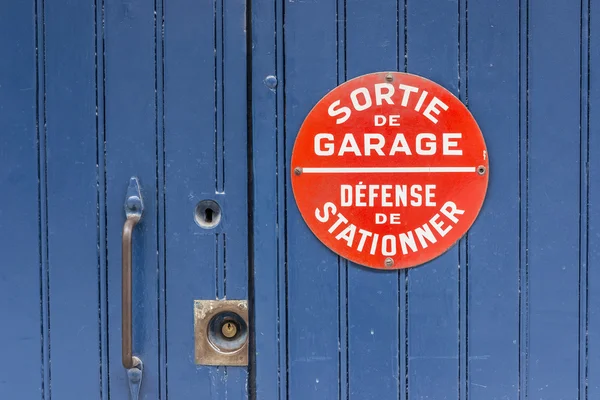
(221, 332)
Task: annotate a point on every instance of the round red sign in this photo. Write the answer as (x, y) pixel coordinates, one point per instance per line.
(389, 170)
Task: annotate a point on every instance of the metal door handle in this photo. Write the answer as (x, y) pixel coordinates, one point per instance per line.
(134, 207)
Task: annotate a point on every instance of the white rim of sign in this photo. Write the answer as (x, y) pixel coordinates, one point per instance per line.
(350, 145)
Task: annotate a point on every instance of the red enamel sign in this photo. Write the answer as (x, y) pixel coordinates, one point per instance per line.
(389, 170)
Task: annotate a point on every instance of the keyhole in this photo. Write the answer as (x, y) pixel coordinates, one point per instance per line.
(229, 329)
(207, 214)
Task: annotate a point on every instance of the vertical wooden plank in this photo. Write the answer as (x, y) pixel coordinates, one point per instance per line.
(432, 33)
(19, 214)
(584, 199)
(131, 150)
(190, 126)
(101, 214)
(71, 195)
(312, 270)
(159, 26)
(235, 172)
(235, 132)
(593, 243)
(268, 179)
(373, 313)
(265, 359)
(343, 328)
(523, 341)
(554, 187)
(463, 243)
(189, 119)
(205, 154)
(493, 241)
(40, 46)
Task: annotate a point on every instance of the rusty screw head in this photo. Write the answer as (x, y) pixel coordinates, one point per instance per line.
(229, 329)
(389, 262)
(297, 171)
(389, 77)
(481, 170)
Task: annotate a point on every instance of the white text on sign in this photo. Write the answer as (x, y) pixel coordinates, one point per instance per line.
(387, 195)
(423, 144)
(362, 99)
(390, 245)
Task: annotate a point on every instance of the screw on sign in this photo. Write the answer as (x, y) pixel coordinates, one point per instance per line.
(389, 170)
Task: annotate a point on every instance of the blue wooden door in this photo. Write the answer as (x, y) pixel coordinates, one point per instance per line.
(202, 100)
(511, 311)
(90, 96)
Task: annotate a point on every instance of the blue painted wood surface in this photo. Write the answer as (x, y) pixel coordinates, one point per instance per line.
(205, 154)
(203, 99)
(509, 312)
(371, 292)
(22, 339)
(132, 145)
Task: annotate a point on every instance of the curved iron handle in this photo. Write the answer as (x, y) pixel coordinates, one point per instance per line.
(134, 207)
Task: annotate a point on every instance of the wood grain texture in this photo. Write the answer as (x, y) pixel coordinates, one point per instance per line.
(131, 150)
(20, 242)
(483, 319)
(203, 100)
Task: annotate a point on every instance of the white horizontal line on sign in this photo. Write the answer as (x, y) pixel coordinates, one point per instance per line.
(363, 170)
